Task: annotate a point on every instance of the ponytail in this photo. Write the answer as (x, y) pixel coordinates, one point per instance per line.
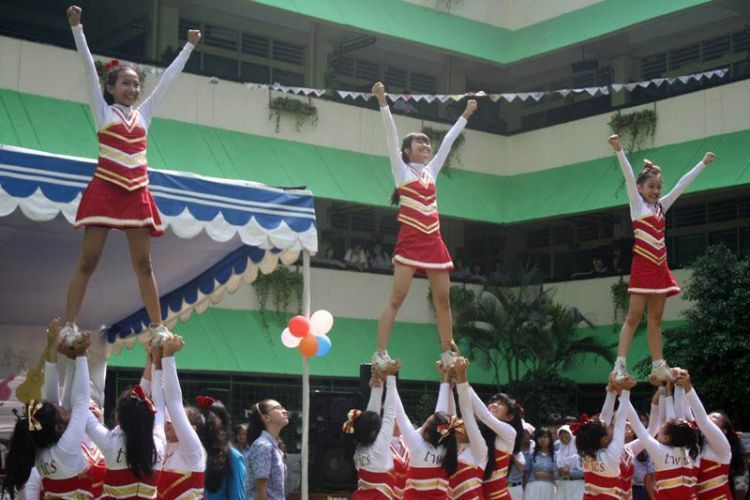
(135, 417)
(436, 439)
(215, 439)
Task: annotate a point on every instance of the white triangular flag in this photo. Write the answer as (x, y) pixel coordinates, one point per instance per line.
(617, 87)
(630, 86)
(537, 96)
(509, 97)
(563, 92)
(658, 81)
(592, 90)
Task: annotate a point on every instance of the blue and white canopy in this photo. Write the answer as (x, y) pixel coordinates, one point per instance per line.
(219, 233)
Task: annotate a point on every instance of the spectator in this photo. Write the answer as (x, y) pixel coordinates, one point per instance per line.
(616, 262)
(497, 276)
(476, 274)
(460, 270)
(266, 468)
(379, 259)
(403, 104)
(356, 258)
(599, 269)
(330, 259)
(240, 439)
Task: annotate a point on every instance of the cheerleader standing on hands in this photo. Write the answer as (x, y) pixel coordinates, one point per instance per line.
(118, 197)
(419, 244)
(651, 281)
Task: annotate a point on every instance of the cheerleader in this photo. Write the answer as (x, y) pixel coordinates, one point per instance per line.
(651, 281)
(674, 453)
(713, 471)
(419, 245)
(502, 427)
(541, 470)
(49, 437)
(118, 197)
(569, 466)
(432, 450)
(183, 471)
(601, 448)
(466, 482)
(134, 449)
(372, 436)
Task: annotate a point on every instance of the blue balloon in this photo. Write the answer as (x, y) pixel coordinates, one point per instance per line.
(324, 345)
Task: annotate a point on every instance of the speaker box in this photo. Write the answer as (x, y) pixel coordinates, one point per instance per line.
(331, 464)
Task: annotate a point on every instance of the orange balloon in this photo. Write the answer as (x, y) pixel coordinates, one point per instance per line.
(309, 345)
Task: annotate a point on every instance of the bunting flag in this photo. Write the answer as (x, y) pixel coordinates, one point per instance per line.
(536, 96)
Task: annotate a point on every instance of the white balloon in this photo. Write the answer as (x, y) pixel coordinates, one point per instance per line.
(290, 340)
(321, 322)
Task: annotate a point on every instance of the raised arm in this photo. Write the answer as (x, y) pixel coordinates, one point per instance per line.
(476, 440)
(608, 408)
(70, 442)
(651, 444)
(153, 101)
(436, 164)
(685, 181)
(411, 436)
(389, 415)
(715, 437)
(376, 395)
(443, 400)
(96, 99)
(627, 172)
(391, 134)
(617, 444)
(503, 430)
(189, 442)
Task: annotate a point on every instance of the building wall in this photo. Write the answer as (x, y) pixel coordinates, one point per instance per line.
(26, 67)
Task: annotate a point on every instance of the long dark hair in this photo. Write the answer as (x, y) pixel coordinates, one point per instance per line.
(589, 438)
(543, 431)
(681, 435)
(137, 423)
(110, 78)
(215, 439)
(737, 466)
(432, 436)
(516, 412)
(366, 428)
(24, 445)
(406, 144)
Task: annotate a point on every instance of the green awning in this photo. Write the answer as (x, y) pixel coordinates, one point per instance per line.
(65, 127)
(224, 340)
(407, 21)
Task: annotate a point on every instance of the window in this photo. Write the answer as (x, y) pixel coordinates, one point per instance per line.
(690, 215)
(723, 210)
(727, 237)
(716, 48)
(688, 248)
(537, 238)
(654, 66)
(395, 77)
(685, 56)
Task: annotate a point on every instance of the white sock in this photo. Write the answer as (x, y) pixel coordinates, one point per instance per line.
(621, 361)
(658, 363)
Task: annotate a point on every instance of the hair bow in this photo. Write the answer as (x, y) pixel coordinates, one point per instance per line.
(204, 402)
(111, 64)
(575, 426)
(351, 416)
(137, 392)
(32, 407)
(446, 430)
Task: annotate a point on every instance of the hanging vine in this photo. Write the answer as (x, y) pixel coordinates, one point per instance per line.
(283, 285)
(302, 111)
(634, 128)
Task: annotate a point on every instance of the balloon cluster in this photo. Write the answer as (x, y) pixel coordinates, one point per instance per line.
(309, 335)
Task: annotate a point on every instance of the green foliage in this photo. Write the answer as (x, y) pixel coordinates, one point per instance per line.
(283, 285)
(301, 110)
(425, 407)
(436, 138)
(714, 344)
(633, 128)
(541, 393)
(461, 299)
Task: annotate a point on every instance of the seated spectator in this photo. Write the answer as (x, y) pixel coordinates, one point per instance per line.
(476, 274)
(330, 259)
(599, 269)
(404, 105)
(616, 262)
(356, 258)
(460, 270)
(497, 276)
(379, 259)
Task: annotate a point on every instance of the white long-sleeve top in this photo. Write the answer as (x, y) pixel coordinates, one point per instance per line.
(717, 447)
(421, 453)
(64, 459)
(664, 457)
(112, 443)
(187, 455)
(32, 490)
(404, 173)
(505, 434)
(377, 456)
(639, 208)
(607, 462)
(475, 451)
(102, 111)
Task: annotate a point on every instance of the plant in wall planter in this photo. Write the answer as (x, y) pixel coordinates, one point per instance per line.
(634, 128)
(283, 285)
(301, 110)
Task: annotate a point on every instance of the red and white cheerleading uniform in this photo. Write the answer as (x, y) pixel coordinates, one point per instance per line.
(675, 471)
(713, 469)
(118, 196)
(183, 473)
(466, 483)
(119, 480)
(496, 486)
(419, 243)
(374, 463)
(64, 469)
(649, 272)
(400, 454)
(425, 477)
(601, 475)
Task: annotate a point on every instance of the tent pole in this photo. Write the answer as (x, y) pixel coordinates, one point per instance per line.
(306, 299)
